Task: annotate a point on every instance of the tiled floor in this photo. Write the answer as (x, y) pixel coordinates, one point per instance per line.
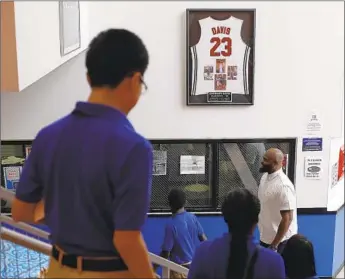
(19, 262)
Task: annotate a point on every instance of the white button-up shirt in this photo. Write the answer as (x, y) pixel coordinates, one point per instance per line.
(276, 193)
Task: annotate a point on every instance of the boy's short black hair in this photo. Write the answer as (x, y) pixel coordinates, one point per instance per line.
(177, 199)
(113, 55)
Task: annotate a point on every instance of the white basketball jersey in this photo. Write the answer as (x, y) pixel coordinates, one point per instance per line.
(220, 58)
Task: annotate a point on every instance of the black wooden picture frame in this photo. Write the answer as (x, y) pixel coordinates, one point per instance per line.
(220, 72)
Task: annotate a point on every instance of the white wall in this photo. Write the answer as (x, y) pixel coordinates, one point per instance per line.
(312, 193)
(299, 54)
(290, 56)
(38, 43)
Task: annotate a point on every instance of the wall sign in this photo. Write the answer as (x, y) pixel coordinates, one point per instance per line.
(312, 144)
(313, 168)
(314, 124)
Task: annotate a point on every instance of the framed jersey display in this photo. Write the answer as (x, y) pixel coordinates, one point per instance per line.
(220, 57)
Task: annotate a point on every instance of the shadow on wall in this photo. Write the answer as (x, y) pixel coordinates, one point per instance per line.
(62, 87)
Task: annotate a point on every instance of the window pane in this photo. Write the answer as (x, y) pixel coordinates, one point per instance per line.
(182, 166)
(239, 165)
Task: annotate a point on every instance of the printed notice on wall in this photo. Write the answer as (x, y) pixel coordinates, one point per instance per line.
(314, 124)
(192, 165)
(312, 144)
(159, 162)
(11, 177)
(313, 168)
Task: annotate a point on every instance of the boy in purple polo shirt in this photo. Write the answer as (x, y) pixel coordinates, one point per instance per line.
(183, 233)
(235, 255)
(89, 166)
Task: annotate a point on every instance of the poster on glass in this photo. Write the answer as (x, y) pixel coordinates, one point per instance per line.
(11, 177)
(192, 164)
(159, 162)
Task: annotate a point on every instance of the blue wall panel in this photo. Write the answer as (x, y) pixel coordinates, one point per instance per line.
(338, 256)
(326, 231)
(318, 228)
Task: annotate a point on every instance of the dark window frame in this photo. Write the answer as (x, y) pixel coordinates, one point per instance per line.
(215, 162)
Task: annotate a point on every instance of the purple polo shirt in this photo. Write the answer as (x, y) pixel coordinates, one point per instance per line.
(94, 172)
(211, 260)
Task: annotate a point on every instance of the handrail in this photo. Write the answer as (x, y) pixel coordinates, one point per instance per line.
(25, 227)
(25, 241)
(40, 246)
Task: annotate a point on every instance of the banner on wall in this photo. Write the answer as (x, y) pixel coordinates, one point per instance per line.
(341, 163)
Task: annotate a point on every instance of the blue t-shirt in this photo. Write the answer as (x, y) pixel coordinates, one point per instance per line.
(211, 260)
(182, 237)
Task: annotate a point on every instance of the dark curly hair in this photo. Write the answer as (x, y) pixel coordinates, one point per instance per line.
(298, 255)
(176, 199)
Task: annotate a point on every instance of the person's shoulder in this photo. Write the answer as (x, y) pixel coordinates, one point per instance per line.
(126, 136)
(53, 128)
(190, 215)
(285, 180)
(269, 255)
(216, 244)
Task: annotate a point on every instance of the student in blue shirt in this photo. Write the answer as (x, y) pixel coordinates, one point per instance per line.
(182, 233)
(86, 169)
(299, 260)
(235, 254)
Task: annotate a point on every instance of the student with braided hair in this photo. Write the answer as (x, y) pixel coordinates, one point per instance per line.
(235, 255)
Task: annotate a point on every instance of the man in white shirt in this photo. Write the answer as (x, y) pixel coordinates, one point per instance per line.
(278, 215)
